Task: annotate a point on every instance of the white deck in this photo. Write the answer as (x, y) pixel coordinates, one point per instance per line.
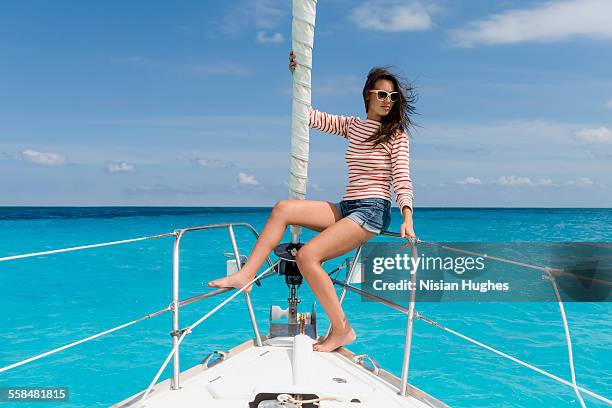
(283, 365)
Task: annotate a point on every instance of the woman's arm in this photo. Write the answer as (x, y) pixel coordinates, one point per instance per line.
(334, 124)
(402, 183)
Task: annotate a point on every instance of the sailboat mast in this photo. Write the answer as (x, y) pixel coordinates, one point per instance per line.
(302, 40)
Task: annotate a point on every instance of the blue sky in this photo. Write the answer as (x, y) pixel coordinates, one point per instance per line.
(188, 103)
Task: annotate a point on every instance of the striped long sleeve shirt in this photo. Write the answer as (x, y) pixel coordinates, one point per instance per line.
(371, 170)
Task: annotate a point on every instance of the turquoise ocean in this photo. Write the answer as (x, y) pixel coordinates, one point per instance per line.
(53, 300)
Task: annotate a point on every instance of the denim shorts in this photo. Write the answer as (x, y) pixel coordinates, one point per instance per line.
(372, 213)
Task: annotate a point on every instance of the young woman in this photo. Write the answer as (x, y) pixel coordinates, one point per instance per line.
(377, 154)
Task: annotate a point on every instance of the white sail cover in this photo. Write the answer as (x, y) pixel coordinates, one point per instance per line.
(302, 39)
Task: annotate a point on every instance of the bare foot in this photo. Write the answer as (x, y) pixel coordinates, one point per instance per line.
(236, 280)
(320, 340)
(335, 340)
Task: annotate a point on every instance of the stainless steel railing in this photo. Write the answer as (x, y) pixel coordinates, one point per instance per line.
(178, 234)
(176, 304)
(412, 314)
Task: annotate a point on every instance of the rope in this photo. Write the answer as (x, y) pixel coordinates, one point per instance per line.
(568, 340)
(509, 261)
(465, 251)
(56, 251)
(336, 270)
(286, 398)
(188, 330)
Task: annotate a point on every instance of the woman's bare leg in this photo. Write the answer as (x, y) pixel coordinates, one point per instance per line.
(314, 215)
(334, 241)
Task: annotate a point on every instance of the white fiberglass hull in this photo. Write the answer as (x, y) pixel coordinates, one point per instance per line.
(284, 365)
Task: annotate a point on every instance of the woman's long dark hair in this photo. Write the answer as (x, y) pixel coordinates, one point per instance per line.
(398, 119)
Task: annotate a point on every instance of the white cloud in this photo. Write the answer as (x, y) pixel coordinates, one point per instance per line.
(594, 135)
(609, 104)
(500, 144)
(247, 179)
(213, 163)
(275, 38)
(119, 167)
(43, 158)
(511, 181)
(548, 22)
(412, 16)
(261, 14)
(469, 180)
(544, 182)
(582, 182)
(514, 181)
(267, 13)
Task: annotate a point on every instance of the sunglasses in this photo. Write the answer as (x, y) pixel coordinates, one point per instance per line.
(382, 95)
